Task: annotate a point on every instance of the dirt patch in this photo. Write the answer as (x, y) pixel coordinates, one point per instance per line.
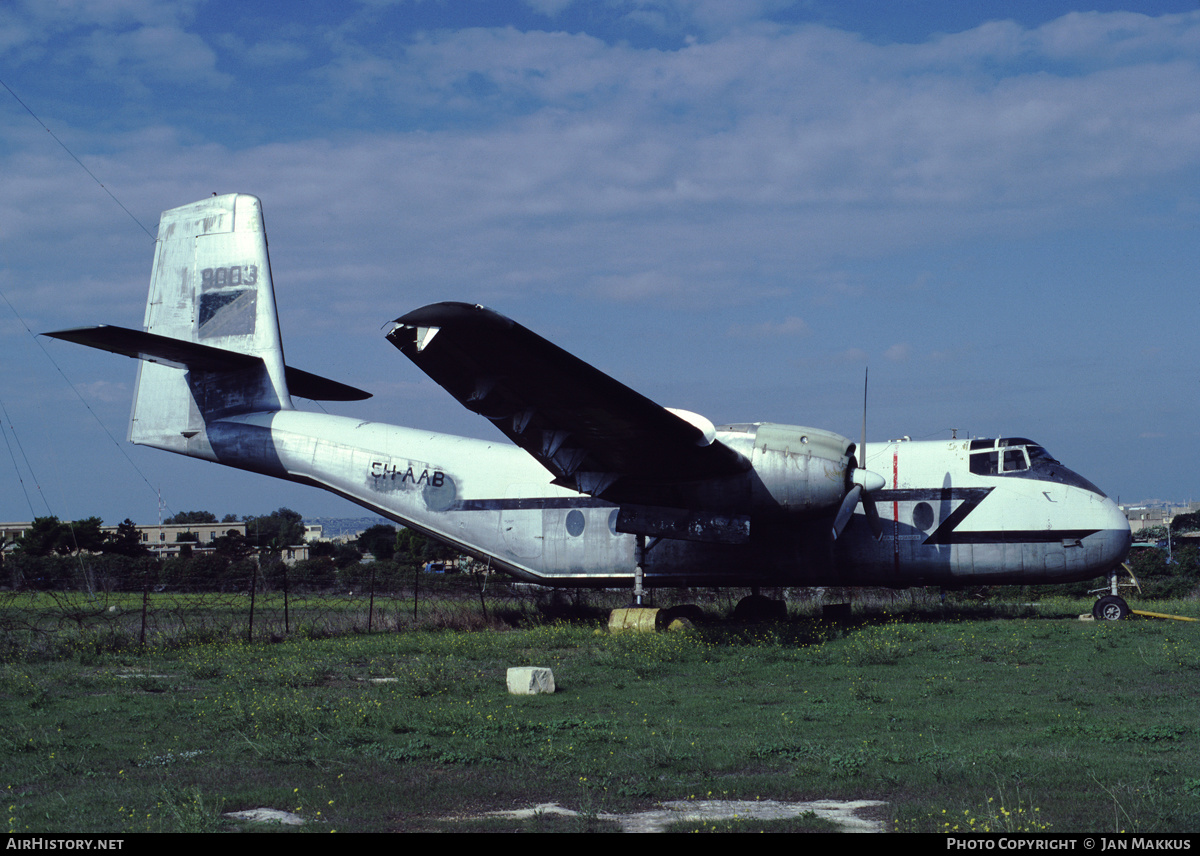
(845, 813)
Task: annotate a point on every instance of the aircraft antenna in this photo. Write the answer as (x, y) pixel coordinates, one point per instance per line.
(862, 454)
(861, 483)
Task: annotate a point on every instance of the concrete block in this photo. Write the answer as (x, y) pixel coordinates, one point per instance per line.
(530, 680)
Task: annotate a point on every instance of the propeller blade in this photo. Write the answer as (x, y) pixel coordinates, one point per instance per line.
(843, 515)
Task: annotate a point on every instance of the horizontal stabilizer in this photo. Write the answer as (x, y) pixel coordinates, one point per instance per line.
(317, 388)
(181, 354)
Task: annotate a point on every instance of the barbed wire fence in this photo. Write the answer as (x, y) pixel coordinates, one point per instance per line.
(54, 605)
(258, 607)
(68, 606)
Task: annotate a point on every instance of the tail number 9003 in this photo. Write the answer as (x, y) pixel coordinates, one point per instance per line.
(226, 276)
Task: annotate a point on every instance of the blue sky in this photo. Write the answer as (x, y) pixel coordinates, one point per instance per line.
(733, 207)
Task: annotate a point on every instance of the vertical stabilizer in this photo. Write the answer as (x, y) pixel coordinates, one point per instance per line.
(211, 285)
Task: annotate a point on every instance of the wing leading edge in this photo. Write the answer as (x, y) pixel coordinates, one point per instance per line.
(596, 435)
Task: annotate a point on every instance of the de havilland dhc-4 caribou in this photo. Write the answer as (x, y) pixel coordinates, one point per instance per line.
(603, 486)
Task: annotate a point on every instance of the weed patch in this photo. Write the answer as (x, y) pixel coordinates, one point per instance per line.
(979, 723)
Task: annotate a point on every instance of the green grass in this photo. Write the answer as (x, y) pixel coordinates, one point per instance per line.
(1012, 724)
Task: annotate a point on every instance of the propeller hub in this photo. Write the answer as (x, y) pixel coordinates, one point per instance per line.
(867, 480)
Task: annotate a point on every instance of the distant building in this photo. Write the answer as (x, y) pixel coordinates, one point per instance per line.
(1148, 515)
(163, 539)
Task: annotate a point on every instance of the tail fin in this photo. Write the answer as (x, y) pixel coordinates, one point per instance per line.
(211, 285)
(211, 346)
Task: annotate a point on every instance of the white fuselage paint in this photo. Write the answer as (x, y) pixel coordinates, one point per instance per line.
(942, 524)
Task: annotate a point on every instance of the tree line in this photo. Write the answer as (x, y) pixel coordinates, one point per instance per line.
(56, 554)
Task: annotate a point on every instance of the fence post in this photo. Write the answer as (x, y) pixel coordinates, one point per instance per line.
(145, 604)
(287, 629)
(253, 586)
(371, 606)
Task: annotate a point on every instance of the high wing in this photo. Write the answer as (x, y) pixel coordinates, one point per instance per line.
(596, 435)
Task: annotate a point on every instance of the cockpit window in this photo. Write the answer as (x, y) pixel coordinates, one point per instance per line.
(1038, 454)
(1022, 458)
(1014, 453)
(988, 463)
(1015, 461)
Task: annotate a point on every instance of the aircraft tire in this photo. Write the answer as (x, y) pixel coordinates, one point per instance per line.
(680, 617)
(1110, 608)
(757, 607)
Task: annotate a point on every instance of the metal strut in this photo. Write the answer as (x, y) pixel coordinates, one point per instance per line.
(640, 549)
(639, 558)
(1114, 584)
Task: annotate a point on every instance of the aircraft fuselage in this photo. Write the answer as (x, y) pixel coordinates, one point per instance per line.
(942, 523)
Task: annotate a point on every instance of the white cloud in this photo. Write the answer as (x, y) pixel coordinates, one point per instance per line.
(105, 13)
(265, 52)
(146, 53)
(549, 8)
(637, 170)
(802, 118)
(790, 326)
(1092, 37)
(568, 177)
(24, 23)
(637, 286)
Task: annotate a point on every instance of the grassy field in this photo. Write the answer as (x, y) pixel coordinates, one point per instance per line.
(953, 718)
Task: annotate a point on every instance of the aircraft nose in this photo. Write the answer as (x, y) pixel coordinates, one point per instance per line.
(1115, 534)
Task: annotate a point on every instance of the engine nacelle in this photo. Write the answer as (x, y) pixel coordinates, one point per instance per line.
(801, 469)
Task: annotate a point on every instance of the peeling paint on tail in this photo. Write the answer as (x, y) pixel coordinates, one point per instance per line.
(211, 284)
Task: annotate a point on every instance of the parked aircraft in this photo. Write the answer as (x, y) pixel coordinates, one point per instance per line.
(603, 486)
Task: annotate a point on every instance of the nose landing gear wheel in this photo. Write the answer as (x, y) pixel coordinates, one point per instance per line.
(1110, 608)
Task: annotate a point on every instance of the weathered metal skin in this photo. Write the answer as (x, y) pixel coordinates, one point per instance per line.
(747, 504)
(798, 470)
(509, 514)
